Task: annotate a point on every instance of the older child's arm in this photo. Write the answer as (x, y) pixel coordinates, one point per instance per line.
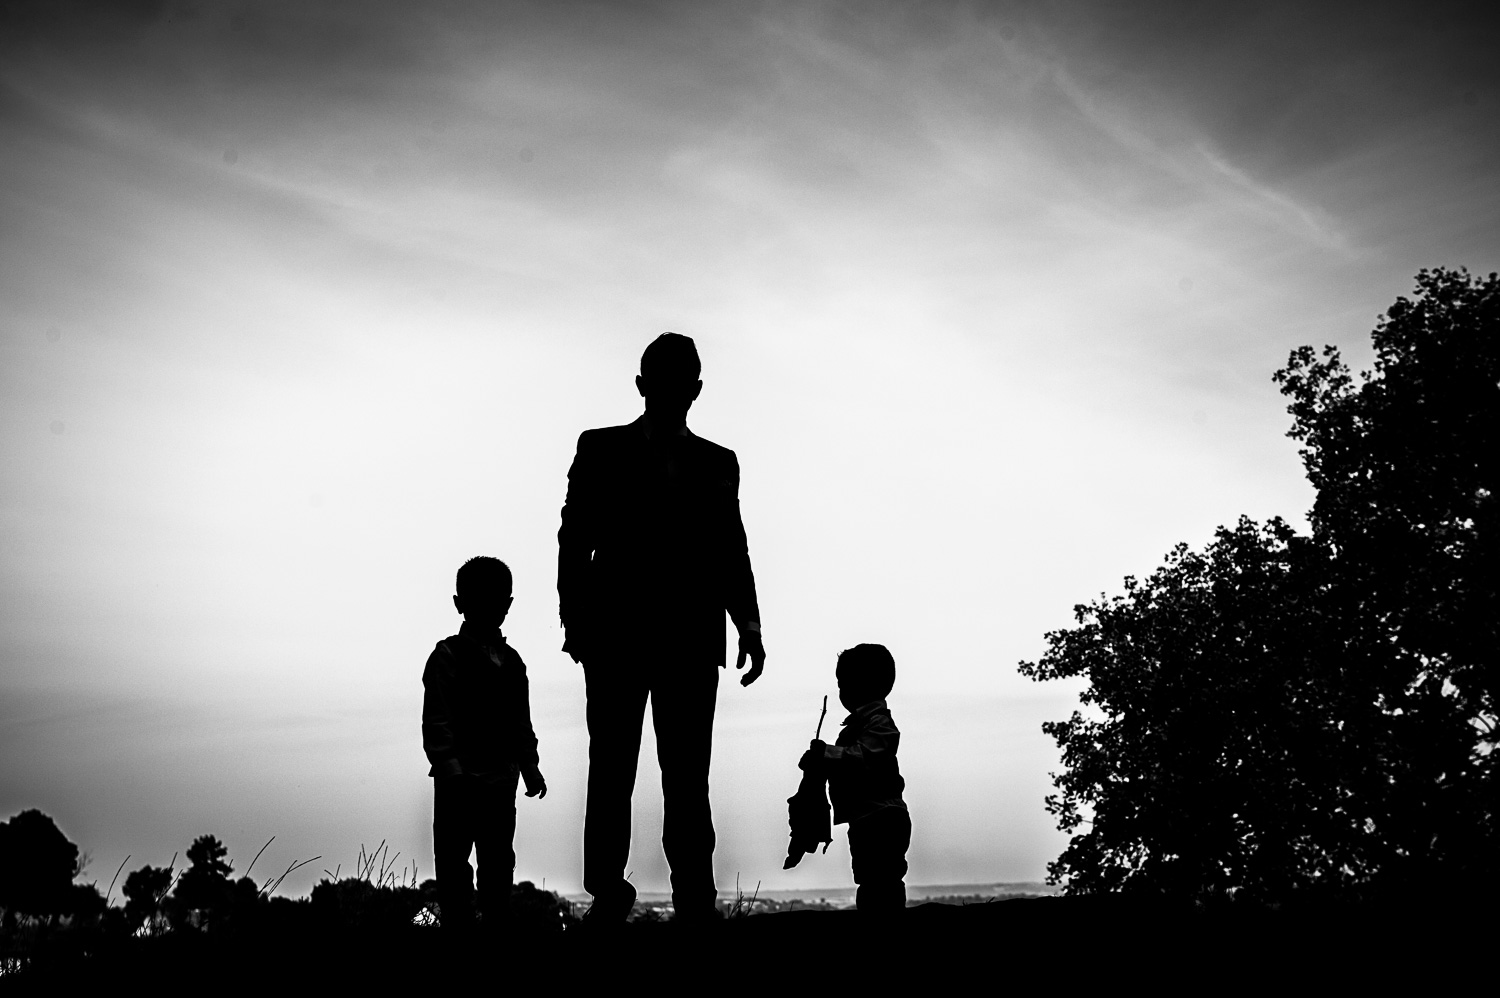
(437, 713)
(523, 735)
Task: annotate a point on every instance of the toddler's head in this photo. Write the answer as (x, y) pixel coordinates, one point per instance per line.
(865, 673)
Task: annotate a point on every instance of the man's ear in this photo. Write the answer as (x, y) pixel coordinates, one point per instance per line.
(457, 604)
(697, 390)
(640, 385)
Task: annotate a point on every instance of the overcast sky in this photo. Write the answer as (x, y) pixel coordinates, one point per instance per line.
(301, 305)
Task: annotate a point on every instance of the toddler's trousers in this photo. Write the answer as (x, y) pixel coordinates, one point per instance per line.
(877, 845)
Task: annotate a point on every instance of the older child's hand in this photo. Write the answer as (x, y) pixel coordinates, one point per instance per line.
(536, 786)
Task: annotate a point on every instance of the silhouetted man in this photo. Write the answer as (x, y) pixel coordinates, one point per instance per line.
(651, 554)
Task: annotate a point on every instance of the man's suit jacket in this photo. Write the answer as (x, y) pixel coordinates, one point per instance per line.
(652, 551)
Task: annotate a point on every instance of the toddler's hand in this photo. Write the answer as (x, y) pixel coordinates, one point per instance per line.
(536, 786)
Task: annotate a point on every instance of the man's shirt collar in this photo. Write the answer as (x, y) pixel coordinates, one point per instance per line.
(644, 422)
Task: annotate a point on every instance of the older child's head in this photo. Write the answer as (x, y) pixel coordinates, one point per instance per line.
(865, 673)
(482, 591)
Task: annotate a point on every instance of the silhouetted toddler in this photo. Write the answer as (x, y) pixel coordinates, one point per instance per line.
(476, 730)
(864, 781)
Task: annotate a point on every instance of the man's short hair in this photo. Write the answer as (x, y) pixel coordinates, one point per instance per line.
(483, 576)
(671, 357)
(868, 669)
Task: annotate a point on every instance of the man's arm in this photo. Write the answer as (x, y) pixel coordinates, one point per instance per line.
(740, 599)
(437, 714)
(739, 579)
(575, 549)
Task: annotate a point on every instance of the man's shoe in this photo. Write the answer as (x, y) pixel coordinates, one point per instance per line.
(612, 908)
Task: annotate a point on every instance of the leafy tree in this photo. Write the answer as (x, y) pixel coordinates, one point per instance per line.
(1216, 766)
(145, 889)
(1280, 715)
(1406, 462)
(205, 884)
(39, 864)
(86, 901)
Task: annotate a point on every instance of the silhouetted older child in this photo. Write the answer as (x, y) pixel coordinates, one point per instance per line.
(476, 729)
(864, 781)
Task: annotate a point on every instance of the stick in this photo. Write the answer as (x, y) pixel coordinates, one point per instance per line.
(819, 733)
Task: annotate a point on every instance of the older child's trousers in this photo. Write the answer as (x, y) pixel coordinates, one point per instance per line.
(474, 813)
(877, 845)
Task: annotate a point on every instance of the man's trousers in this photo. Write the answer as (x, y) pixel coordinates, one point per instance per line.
(682, 699)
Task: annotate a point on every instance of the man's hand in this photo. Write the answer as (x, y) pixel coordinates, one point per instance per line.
(813, 757)
(750, 645)
(536, 786)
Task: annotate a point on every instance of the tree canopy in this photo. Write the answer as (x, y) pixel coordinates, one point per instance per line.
(205, 883)
(1284, 715)
(39, 864)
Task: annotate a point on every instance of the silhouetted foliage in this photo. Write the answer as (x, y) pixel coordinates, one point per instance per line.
(1406, 462)
(145, 889)
(205, 884)
(201, 897)
(1216, 766)
(39, 864)
(355, 903)
(1283, 715)
(194, 923)
(537, 910)
(84, 901)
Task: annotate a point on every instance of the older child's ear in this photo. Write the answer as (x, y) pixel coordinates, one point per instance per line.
(457, 604)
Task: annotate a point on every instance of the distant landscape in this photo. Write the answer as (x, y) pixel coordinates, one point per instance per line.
(837, 898)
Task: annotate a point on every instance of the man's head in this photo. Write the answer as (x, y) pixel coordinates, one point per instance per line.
(866, 673)
(482, 591)
(669, 379)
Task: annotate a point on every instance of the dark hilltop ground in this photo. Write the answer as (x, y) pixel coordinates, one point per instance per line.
(1053, 942)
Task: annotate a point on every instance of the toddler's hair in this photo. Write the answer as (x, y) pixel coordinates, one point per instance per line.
(482, 576)
(868, 669)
